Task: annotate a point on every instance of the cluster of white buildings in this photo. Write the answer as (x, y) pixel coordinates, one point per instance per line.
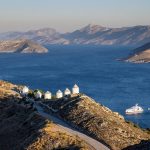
(48, 94)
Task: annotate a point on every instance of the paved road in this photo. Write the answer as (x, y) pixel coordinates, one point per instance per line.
(95, 145)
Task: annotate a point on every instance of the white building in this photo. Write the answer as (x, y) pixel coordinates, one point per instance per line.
(38, 94)
(25, 90)
(75, 89)
(67, 92)
(48, 95)
(59, 94)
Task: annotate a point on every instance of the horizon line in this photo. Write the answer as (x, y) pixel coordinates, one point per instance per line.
(53, 28)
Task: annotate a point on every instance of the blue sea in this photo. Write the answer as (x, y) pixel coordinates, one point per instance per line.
(116, 84)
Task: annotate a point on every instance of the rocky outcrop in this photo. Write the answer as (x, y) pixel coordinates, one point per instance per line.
(99, 121)
(90, 34)
(21, 46)
(140, 55)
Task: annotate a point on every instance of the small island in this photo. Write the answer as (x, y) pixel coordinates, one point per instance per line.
(21, 46)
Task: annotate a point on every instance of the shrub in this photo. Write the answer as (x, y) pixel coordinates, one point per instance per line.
(31, 94)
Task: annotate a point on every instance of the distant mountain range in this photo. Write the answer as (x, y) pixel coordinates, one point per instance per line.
(90, 34)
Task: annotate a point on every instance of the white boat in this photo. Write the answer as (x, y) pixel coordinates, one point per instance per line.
(134, 110)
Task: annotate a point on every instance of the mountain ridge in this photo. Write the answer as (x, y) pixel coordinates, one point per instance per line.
(89, 34)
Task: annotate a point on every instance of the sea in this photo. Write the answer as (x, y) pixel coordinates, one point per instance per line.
(117, 85)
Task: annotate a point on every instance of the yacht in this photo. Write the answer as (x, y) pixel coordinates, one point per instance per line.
(134, 110)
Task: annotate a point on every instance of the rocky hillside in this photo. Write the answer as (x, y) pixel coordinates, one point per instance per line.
(99, 35)
(42, 36)
(140, 55)
(21, 46)
(22, 128)
(100, 122)
(90, 34)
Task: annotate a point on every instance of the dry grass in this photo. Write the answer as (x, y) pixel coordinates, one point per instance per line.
(22, 128)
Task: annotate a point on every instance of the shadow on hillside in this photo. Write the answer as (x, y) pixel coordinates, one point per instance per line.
(143, 145)
(19, 126)
(16, 89)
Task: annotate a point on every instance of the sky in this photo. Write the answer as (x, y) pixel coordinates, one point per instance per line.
(68, 15)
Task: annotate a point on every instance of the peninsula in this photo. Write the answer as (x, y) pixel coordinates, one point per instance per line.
(140, 55)
(21, 46)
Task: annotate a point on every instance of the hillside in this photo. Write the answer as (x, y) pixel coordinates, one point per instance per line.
(42, 36)
(100, 122)
(99, 35)
(140, 55)
(22, 128)
(21, 46)
(90, 34)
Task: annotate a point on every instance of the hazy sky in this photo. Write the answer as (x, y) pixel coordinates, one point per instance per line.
(66, 15)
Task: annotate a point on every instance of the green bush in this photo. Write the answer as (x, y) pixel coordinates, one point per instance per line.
(31, 95)
(35, 91)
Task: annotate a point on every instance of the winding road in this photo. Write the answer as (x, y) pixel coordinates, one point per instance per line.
(95, 145)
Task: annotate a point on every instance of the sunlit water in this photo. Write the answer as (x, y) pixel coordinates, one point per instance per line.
(115, 84)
